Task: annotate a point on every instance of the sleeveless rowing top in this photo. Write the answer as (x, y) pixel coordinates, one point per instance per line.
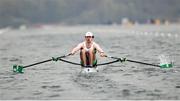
(87, 49)
(89, 55)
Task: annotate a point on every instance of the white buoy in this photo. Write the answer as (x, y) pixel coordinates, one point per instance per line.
(176, 35)
(146, 33)
(169, 34)
(162, 34)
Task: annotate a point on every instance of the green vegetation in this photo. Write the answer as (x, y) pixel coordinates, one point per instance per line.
(17, 12)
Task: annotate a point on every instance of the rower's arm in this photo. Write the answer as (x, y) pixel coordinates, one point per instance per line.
(102, 54)
(77, 48)
(99, 49)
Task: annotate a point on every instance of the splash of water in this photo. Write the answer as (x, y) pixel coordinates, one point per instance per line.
(165, 61)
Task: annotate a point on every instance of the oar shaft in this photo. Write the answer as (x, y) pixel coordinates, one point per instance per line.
(45, 61)
(143, 63)
(137, 62)
(37, 63)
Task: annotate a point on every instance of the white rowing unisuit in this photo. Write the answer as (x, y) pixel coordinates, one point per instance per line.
(87, 49)
(83, 45)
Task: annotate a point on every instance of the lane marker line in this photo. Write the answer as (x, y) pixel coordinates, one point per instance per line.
(156, 34)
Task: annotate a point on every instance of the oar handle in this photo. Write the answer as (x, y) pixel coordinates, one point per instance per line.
(114, 57)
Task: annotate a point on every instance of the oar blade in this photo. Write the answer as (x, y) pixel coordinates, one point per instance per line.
(18, 69)
(165, 61)
(166, 65)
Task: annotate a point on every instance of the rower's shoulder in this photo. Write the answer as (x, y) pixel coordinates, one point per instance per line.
(94, 43)
(81, 44)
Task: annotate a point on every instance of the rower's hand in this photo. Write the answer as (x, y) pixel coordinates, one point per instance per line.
(72, 53)
(122, 59)
(102, 54)
(55, 59)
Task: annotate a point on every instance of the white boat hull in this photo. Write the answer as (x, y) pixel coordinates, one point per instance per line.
(89, 70)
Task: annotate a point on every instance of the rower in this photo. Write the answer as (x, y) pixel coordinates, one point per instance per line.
(88, 50)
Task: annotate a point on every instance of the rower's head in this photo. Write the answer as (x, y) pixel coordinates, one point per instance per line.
(89, 36)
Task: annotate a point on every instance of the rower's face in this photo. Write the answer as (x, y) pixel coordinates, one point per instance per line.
(88, 38)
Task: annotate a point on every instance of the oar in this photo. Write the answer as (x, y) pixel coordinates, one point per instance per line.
(169, 65)
(19, 68)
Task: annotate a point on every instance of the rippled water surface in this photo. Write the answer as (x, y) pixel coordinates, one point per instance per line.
(118, 81)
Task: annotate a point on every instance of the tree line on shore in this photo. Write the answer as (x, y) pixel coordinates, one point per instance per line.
(18, 12)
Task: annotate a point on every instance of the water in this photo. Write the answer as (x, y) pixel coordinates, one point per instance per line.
(118, 81)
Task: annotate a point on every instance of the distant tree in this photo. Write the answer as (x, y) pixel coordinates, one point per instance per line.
(17, 12)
